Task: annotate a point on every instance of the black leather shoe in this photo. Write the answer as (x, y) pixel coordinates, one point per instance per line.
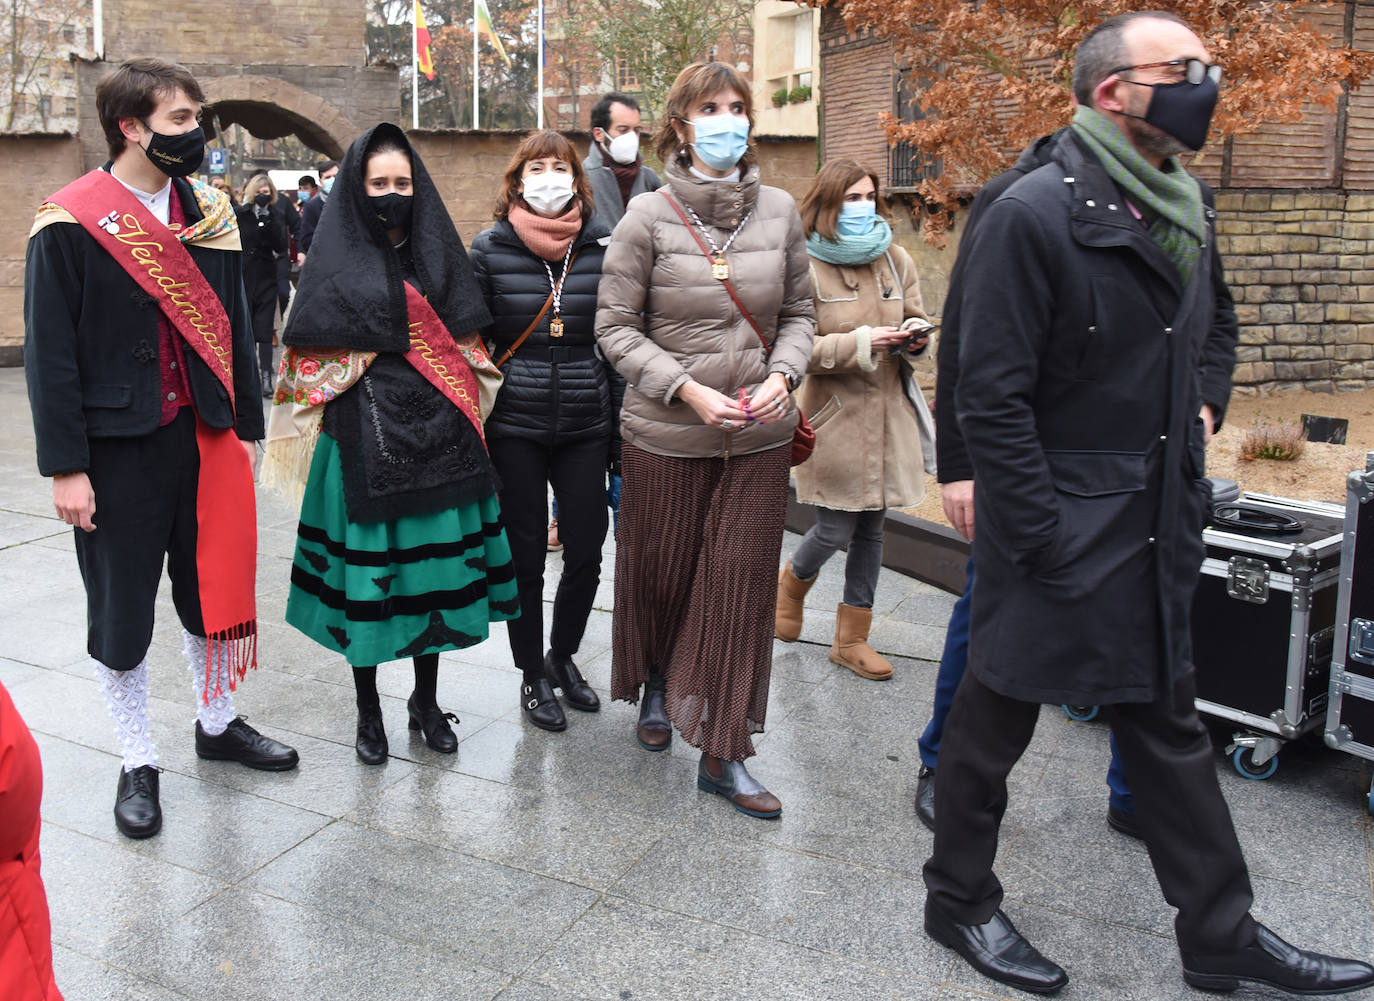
(1123, 822)
(137, 812)
(997, 950)
(654, 730)
(240, 742)
(1275, 963)
(434, 722)
(925, 797)
(371, 743)
(541, 708)
(576, 692)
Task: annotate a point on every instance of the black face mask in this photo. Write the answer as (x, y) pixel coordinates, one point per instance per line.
(393, 209)
(177, 156)
(263, 199)
(1184, 110)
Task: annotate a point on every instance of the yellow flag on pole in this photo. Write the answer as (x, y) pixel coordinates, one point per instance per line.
(484, 27)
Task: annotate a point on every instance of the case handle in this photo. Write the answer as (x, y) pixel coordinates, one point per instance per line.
(1255, 519)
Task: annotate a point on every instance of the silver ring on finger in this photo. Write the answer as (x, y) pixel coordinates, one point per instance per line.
(726, 424)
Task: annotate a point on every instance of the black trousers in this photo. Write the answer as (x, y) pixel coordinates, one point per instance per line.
(1168, 758)
(145, 508)
(577, 471)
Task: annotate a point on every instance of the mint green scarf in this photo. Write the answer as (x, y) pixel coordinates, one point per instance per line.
(1170, 198)
(849, 251)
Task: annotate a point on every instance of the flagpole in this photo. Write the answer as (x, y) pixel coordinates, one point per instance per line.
(539, 100)
(415, 66)
(474, 63)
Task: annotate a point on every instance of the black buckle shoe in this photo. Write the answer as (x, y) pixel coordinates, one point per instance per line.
(1273, 962)
(435, 724)
(565, 675)
(925, 797)
(654, 731)
(240, 742)
(371, 742)
(540, 706)
(137, 812)
(997, 950)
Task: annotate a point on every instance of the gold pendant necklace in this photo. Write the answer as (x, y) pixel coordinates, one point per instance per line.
(720, 270)
(556, 327)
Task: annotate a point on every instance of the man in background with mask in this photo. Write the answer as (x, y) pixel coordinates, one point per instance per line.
(313, 209)
(144, 386)
(615, 170)
(1087, 301)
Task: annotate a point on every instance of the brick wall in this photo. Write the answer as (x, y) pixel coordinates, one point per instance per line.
(856, 86)
(31, 168)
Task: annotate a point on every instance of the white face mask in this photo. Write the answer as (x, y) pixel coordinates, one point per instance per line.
(625, 148)
(548, 192)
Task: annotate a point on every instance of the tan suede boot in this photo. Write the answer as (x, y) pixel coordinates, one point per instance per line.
(851, 647)
(791, 590)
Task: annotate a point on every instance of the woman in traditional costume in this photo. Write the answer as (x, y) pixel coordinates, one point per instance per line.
(400, 550)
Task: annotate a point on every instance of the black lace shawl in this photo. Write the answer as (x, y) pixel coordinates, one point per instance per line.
(351, 293)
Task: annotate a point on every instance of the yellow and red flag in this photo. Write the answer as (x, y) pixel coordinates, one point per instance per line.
(424, 59)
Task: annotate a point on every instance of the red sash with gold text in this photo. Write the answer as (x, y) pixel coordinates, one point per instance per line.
(226, 540)
(435, 355)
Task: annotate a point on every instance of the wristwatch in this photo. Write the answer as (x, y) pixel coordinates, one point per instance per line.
(792, 381)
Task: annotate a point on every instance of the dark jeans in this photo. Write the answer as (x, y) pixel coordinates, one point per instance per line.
(1167, 752)
(953, 662)
(577, 471)
(862, 533)
(145, 511)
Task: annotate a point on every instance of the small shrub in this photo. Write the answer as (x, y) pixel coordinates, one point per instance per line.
(1283, 441)
(779, 97)
(799, 94)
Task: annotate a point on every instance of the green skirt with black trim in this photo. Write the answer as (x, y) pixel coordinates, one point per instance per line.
(393, 589)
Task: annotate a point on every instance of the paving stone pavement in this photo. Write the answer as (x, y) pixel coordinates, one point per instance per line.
(533, 866)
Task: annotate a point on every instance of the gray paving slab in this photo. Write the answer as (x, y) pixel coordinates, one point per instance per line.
(532, 866)
(248, 946)
(495, 915)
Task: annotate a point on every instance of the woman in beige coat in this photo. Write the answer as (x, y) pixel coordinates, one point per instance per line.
(707, 425)
(870, 323)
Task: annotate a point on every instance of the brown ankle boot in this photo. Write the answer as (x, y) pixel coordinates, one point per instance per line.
(851, 647)
(791, 590)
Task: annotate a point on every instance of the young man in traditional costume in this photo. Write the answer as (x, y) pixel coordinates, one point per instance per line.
(144, 387)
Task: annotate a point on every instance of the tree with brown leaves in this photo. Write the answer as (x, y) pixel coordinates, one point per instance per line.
(991, 77)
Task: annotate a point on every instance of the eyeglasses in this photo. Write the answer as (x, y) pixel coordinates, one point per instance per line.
(1194, 70)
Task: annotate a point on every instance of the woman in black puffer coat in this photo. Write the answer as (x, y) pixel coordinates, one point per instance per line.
(553, 422)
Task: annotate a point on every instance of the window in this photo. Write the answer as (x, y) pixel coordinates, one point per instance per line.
(69, 106)
(908, 167)
(625, 77)
(69, 33)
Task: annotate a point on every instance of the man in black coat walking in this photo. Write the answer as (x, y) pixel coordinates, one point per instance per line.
(1087, 303)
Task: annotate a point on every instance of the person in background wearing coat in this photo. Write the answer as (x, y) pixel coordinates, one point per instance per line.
(1088, 300)
(615, 170)
(707, 424)
(870, 323)
(538, 269)
(313, 209)
(25, 927)
(264, 235)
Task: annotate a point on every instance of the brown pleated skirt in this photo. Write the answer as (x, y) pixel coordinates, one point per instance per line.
(696, 589)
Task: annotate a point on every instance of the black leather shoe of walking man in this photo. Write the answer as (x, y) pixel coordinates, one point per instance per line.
(997, 950)
(1273, 962)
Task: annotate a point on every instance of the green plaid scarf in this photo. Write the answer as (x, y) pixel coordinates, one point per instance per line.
(1170, 199)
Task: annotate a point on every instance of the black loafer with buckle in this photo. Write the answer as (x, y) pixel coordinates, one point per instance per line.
(565, 675)
(541, 707)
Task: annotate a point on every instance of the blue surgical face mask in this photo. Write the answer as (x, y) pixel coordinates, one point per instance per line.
(721, 140)
(856, 218)
(327, 184)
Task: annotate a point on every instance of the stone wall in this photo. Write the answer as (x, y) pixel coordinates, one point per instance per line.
(1301, 269)
(31, 168)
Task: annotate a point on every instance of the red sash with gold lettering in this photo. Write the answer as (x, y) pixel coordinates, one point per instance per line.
(435, 355)
(226, 516)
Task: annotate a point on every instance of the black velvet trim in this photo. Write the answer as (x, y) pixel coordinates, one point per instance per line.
(392, 605)
(415, 554)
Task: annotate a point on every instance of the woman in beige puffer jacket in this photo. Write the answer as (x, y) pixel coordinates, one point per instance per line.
(707, 426)
(870, 323)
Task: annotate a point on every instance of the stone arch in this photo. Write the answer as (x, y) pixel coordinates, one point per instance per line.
(270, 107)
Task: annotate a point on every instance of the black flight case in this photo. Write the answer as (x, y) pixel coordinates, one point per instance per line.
(1264, 619)
(1350, 710)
